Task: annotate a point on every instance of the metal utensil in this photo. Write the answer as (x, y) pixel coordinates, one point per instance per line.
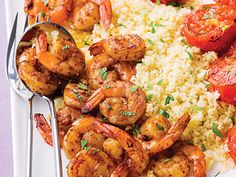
(21, 90)
(27, 37)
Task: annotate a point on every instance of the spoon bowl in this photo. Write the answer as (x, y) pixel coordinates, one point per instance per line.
(27, 41)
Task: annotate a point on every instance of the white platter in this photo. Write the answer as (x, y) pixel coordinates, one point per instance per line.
(43, 164)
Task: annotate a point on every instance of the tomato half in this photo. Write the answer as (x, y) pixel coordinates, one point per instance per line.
(212, 27)
(227, 2)
(222, 76)
(232, 142)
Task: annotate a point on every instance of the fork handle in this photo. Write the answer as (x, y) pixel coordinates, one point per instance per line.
(29, 139)
(55, 137)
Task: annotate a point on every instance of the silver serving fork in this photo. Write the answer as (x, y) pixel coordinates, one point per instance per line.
(21, 90)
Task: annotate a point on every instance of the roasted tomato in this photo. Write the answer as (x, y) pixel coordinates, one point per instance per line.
(227, 2)
(232, 142)
(168, 1)
(211, 28)
(222, 76)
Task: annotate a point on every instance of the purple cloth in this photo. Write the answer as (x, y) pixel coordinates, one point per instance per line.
(6, 164)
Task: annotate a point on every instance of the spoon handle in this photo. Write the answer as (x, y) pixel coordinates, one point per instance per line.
(55, 136)
(29, 139)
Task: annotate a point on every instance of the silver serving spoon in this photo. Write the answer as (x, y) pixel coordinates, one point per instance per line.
(27, 36)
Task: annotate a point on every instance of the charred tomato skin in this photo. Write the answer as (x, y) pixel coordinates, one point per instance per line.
(212, 27)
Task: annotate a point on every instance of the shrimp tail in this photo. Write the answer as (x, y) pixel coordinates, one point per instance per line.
(93, 101)
(173, 134)
(41, 42)
(96, 48)
(43, 128)
(122, 169)
(105, 11)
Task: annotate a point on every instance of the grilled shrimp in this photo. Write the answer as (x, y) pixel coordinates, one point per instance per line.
(196, 158)
(65, 117)
(154, 128)
(104, 69)
(113, 148)
(121, 102)
(61, 57)
(188, 160)
(127, 47)
(138, 155)
(36, 77)
(173, 134)
(74, 96)
(80, 131)
(83, 14)
(177, 165)
(92, 163)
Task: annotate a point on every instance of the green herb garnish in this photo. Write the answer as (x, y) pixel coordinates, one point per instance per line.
(121, 25)
(150, 41)
(149, 97)
(107, 105)
(153, 30)
(232, 120)
(184, 41)
(197, 109)
(216, 130)
(160, 25)
(104, 119)
(43, 14)
(159, 127)
(82, 86)
(134, 88)
(203, 147)
(136, 129)
(189, 54)
(128, 113)
(164, 113)
(65, 47)
(168, 99)
(103, 73)
(166, 160)
(160, 82)
(77, 94)
(83, 143)
(158, 2)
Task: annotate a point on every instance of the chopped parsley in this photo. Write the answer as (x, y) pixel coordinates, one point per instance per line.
(78, 95)
(82, 86)
(189, 55)
(43, 14)
(160, 25)
(108, 86)
(216, 130)
(65, 47)
(197, 109)
(103, 73)
(134, 88)
(203, 147)
(149, 97)
(232, 120)
(121, 25)
(159, 127)
(164, 113)
(160, 82)
(104, 119)
(136, 129)
(184, 41)
(207, 84)
(168, 99)
(107, 105)
(83, 143)
(128, 113)
(153, 30)
(86, 42)
(150, 41)
(162, 40)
